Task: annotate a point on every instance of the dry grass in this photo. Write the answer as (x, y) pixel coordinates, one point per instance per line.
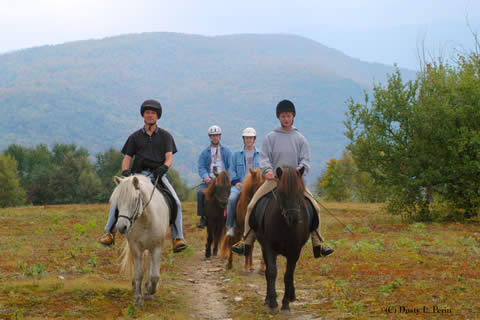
(52, 267)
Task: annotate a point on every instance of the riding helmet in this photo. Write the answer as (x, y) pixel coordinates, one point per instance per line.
(151, 105)
(249, 132)
(285, 106)
(214, 130)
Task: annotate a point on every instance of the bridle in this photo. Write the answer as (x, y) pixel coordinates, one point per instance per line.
(284, 212)
(138, 205)
(136, 211)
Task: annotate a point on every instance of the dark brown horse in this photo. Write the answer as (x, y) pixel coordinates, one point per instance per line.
(250, 185)
(285, 231)
(216, 198)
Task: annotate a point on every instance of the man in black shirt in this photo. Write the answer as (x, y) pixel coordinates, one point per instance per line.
(153, 149)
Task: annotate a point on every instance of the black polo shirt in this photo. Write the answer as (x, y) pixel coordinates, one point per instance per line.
(151, 149)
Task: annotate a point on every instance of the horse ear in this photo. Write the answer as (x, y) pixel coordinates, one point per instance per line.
(301, 171)
(215, 173)
(117, 180)
(279, 172)
(252, 172)
(136, 183)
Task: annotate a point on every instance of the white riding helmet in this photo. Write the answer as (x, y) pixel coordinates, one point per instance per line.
(214, 130)
(249, 132)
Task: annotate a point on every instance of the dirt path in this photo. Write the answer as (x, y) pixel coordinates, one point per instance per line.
(207, 296)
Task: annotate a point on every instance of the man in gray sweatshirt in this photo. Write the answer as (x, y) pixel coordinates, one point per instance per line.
(284, 146)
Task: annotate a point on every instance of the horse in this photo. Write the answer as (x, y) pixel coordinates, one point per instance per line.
(250, 185)
(216, 198)
(144, 219)
(285, 231)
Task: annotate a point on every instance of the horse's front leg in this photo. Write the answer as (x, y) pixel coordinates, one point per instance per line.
(271, 275)
(208, 246)
(137, 276)
(289, 295)
(153, 270)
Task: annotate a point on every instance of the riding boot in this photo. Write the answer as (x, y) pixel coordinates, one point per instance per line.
(178, 245)
(318, 249)
(203, 222)
(107, 239)
(244, 247)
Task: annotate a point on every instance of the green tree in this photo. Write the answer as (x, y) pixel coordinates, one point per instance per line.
(108, 165)
(11, 193)
(420, 139)
(180, 186)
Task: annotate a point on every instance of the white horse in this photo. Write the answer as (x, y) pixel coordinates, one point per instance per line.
(144, 219)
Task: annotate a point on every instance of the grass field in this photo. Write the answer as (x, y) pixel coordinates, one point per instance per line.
(52, 267)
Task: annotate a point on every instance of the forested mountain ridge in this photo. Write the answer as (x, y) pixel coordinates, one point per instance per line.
(89, 92)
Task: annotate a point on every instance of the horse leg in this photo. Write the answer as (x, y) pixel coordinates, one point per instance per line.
(289, 295)
(137, 276)
(208, 246)
(154, 273)
(147, 284)
(230, 259)
(216, 239)
(271, 275)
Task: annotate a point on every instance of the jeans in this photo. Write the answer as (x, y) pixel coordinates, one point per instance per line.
(200, 198)
(232, 206)
(177, 228)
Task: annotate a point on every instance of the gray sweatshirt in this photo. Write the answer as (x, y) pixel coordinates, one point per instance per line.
(284, 148)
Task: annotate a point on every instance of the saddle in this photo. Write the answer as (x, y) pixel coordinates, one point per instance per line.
(172, 204)
(257, 218)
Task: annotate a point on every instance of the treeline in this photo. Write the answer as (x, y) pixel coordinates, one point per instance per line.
(415, 144)
(62, 175)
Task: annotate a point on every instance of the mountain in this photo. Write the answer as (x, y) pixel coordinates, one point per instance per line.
(89, 92)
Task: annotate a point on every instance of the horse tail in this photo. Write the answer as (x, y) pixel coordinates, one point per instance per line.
(225, 246)
(227, 243)
(126, 264)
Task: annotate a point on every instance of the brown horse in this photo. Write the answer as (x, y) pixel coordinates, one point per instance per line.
(216, 198)
(285, 230)
(250, 185)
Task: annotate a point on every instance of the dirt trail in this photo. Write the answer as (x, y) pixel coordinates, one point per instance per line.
(207, 296)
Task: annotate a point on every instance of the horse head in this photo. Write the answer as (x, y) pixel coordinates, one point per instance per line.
(290, 193)
(128, 198)
(220, 188)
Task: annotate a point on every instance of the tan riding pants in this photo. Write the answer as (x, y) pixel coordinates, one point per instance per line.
(265, 188)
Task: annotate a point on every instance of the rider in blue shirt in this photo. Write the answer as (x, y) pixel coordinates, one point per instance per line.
(213, 159)
(242, 161)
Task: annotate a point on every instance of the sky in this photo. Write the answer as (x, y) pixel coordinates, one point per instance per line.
(384, 31)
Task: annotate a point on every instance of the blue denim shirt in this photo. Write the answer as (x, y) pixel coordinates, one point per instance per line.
(237, 173)
(205, 159)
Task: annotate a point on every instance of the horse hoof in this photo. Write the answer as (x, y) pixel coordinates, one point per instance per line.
(285, 310)
(139, 302)
(273, 311)
(148, 297)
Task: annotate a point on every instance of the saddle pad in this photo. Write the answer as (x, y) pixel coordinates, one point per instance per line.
(257, 217)
(256, 220)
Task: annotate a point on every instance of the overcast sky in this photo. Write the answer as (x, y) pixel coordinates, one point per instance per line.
(386, 31)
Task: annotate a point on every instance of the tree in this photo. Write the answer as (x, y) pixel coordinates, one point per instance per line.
(421, 140)
(107, 166)
(11, 193)
(342, 181)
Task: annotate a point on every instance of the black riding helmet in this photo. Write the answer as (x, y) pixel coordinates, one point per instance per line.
(151, 105)
(285, 106)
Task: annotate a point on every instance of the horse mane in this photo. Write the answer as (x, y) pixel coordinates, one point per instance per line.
(291, 183)
(250, 185)
(126, 191)
(221, 180)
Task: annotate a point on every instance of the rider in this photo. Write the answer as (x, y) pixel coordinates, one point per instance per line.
(214, 159)
(283, 146)
(153, 149)
(242, 160)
